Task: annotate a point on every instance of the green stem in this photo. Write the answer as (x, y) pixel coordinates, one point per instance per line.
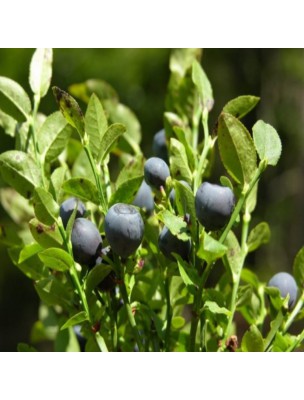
(197, 307)
(168, 314)
(97, 179)
(74, 274)
(237, 276)
(131, 317)
(107, 180)
(294, 313)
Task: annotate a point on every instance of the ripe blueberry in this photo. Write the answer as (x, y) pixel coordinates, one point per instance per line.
(168, 244)
(144, 198)
(156, 172)
(124, 229)
(86, 241)
(286, 285)
(67, 208)
(214, 205)
(159, 146)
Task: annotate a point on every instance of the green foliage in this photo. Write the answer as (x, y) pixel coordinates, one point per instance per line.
(143, 300)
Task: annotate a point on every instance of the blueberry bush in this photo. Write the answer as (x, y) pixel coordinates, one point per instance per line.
(126, 261)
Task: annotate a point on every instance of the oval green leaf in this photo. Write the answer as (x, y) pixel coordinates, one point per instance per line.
(20, 171)
(46, 209)
(56, 259)
(241, 106)
(41, 71)
(53, 136)
(253, 340)
(46, 236)
(95, 124)
(267, 142)
(203, 85)
(82, 188)
(16, 94)
(70, 110)
(237, 149)
(179, 161)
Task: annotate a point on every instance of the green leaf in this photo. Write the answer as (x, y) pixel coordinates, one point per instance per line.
(250, 277)
(56, 259)
(184, 200)
(267, 142)
(53, 136)
(16, 94)
(102, 89)
(275, 297)
(259, 235)
(178, 322)
(298, 268)
(53, 292)
(82, 188)
(20, 171)
(226, 182)
(282, 342)
(181, 60)
(101, 342)
(56, 181)
(25, 348)
(176, 225)
(236, 149)
(41, 71)
(210, 249)
(244, 295)
(95, 124)
(214, 308)
(8, 123)
(112, 134)
(183, 135)
(179, 161)
(120, 113)
(252, 340)
(26, 259)
(233, 258)
(134, 168)
(126, 192)
(96, 276)
(70, 110)
(189, 276)
(46, 209)
(46, 236)
(66, 341)
(203, 85)
(240, 106)
(29, 251)
(75, 319)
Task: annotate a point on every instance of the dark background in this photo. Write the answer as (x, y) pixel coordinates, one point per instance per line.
(140, 77)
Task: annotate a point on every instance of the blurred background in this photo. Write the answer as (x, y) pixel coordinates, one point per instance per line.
(140, 77)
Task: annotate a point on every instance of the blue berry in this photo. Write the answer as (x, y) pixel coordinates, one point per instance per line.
(286, 285)
(124, 229)
(67, 208)
(214, 205)
(156, 172)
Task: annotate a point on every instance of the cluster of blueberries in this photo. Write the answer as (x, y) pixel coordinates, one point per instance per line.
(124, 226)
